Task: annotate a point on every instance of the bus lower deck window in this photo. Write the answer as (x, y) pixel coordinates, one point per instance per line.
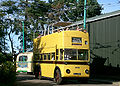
(76, 54)
(70, 54)
(53, 56)
(49, 56)
(61, 54)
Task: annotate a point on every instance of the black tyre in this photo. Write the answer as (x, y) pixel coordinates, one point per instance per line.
(30, 73)
(38, 73)
(57, 77)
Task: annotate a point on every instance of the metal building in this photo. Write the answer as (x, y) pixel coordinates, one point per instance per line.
(104, 32)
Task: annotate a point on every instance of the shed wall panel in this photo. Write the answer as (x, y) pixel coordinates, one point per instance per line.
(105, 39)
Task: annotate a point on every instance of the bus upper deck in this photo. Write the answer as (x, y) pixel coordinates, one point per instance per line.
(69, 41)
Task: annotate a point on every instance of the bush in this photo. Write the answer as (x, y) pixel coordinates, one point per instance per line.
(7, 74)
(2, 58)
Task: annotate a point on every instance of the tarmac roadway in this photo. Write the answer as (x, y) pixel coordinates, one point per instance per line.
(29, 80)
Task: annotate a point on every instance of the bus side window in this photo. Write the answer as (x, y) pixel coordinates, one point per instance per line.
(41, 57)
(48, 56)
(25, 58)
(45, 57)
(53, 56)
(56, 54)
(61, 54)
(20, 58)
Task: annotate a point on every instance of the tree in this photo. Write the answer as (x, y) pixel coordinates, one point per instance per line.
(32, 13)
(35, 17)
(38, 13)
(71, 10)
(3, 43)
(9, 9)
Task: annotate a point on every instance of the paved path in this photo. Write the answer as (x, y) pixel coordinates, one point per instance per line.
(29, 80)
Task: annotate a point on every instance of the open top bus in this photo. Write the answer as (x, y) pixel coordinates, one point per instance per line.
(62, 54)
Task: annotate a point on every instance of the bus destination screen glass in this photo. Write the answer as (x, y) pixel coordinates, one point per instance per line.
(76, 40)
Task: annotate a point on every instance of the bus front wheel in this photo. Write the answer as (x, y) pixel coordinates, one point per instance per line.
(38, 74)
(57, 77)
(39, 77)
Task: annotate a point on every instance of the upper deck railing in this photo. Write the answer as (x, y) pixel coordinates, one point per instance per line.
(60, 26)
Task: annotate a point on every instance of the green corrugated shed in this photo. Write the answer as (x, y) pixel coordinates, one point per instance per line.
(104, 31)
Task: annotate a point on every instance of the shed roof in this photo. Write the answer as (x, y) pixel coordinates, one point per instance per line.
(97, 18)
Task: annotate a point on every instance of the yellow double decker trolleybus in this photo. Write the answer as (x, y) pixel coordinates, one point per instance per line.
(63, 54)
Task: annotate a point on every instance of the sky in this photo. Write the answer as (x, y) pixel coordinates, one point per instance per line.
(108, 6)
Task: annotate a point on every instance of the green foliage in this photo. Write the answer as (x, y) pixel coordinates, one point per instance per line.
(2, 58)
(7, 70)
(38, 9)
(7, 74)
(5, 57)
(73, 10)
(2, 34)
(36, 14)
(9, 8)
(93, 8)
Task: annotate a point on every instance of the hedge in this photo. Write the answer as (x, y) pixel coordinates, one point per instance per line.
(7, 74)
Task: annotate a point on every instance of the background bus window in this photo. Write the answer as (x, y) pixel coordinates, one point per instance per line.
(20, 58)
(48, 56)
(70, 54)
(82, 54)
(61, 54)
(24, 58)
(53, 56)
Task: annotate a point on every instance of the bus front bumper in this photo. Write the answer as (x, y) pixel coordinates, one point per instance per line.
(76, 71)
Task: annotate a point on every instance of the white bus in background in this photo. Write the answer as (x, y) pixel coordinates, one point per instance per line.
(24, 62)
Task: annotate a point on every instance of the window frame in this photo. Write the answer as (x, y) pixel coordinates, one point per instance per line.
(77, 55)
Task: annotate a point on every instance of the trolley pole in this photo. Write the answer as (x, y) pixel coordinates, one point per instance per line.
(23, 34)
(84, 25)
(77, 1)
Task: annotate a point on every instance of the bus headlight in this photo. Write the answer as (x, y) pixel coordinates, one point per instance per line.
(87, 71)
(68, 71)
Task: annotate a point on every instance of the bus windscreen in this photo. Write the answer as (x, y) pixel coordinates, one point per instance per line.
(75, 54)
